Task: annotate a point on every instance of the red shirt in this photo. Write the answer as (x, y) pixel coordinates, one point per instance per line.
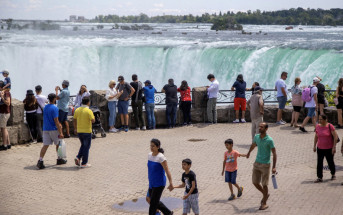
(325, 138)
(185, 94)
(3, 107)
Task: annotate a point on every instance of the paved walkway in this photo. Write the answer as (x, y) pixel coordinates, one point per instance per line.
(119, 173)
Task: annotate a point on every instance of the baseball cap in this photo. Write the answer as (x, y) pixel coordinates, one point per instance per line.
(29, 92)
(5, 72)
(315, 80)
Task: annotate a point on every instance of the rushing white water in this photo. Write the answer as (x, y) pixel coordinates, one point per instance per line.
(95, 57)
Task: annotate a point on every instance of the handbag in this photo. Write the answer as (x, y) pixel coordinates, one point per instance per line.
(338, 140)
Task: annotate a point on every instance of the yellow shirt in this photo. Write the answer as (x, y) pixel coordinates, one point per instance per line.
(84, 117)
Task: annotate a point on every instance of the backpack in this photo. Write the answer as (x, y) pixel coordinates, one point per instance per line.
(306, 94)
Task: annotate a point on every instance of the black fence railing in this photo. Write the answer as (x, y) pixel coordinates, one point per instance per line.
(228, 96)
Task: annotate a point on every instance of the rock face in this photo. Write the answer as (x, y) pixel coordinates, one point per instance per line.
(17, 112)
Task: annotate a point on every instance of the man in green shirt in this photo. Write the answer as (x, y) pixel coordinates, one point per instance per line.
(261, 169)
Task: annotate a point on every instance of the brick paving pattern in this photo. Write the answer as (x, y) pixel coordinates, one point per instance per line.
(119, 173)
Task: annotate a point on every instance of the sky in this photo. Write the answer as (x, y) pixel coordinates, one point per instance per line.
(62, 9)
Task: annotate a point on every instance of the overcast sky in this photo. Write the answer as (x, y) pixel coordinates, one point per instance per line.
(61, 9)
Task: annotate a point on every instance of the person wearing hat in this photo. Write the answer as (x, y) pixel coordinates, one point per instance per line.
(311, 105)
(30, 107)
(41, 101)
(256, 106)
(63, 105)
(52, 130)
(149, 94)
(5, 112)
(123, 103)
(7, 81)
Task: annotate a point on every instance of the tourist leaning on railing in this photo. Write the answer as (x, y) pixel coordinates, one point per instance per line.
(240, 102)
(212, 92)
(339, 102)
(149, 94)
(5, 110)
(170, 90)
(297, 102)
(186, 102)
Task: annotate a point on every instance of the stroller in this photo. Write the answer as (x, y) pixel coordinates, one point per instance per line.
(96, 126)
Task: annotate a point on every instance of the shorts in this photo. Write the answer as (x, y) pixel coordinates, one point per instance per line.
(340, 103)
(50, 137)
(297, 108)
(230, 177)
(240, 103)
(62, 116)
(261, 173)
(282, 102)
(191, 202)
(321, 99)
(123, 107)
(311, 112)
(3, 119)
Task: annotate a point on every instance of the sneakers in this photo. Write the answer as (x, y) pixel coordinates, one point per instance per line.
(243, 121)
(40, 164)
(236, 121)
(143, 128)
(113, 130)
(280, 122)
(87, 165)
(240, 192)
(302, 129)
(232, 197)
(61, 161)
(126, 129)
(4, 148)
(137, 128)
(77, 161)
(121, 128)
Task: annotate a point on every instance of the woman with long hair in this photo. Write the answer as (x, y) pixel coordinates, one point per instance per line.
(157, 168)
(325, 141)
(297, 102)
(83, 92)
(339, 106)
(186, 102)
(30, 107)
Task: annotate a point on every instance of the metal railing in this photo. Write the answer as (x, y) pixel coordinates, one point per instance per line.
(228, 96)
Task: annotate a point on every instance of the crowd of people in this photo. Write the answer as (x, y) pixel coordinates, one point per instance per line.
(46, 117)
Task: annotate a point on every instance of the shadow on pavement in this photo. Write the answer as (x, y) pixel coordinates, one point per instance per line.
(66, 168)
(34, 167)
(252, 210)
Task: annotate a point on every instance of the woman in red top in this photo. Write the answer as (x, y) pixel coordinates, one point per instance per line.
(325, 145)
(186, 102)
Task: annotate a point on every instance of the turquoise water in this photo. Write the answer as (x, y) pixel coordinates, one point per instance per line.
(95, 57)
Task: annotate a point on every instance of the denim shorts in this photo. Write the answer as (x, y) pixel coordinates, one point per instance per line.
(230, 177)
(123, 107)
(311, 112)
(282, 102)
(62, 116)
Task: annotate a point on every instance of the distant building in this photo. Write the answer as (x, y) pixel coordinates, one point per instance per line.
(80, 18)
(72, 18)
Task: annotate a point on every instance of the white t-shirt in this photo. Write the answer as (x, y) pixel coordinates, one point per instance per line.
(312, 103)
(42, 101)
(111, 92)
(279, 84)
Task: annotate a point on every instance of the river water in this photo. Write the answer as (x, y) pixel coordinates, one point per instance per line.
(183, 52)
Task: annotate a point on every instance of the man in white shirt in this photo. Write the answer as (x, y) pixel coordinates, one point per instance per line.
(311, 105)
(212, 92)
(42, 101)
(281, 88)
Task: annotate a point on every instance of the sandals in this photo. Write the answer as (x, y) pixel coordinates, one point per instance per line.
(333, 177)
(263, 207)
(318, 180)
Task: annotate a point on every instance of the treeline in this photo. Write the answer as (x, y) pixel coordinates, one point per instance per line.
(293, 16)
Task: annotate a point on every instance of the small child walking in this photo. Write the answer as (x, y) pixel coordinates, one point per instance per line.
(230, 167)
(191, 197)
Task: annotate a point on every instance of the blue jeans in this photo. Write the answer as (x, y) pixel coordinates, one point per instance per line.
(171, 111)
(85, 139)
(149, 108)
(112, 106)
